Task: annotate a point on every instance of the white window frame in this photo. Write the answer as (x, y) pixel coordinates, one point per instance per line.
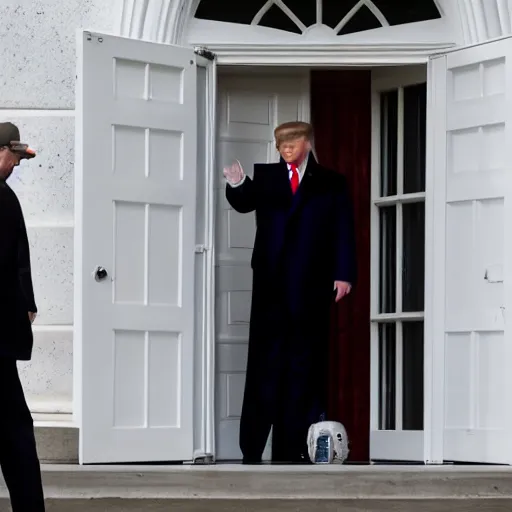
(319, 7)
(395, 444)
(409, 38)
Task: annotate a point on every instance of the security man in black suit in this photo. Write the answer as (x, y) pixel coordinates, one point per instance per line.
(18, 454)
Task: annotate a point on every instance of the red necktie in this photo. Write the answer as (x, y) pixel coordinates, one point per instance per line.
(294, 182)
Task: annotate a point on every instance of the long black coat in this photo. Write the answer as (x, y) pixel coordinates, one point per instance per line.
(303, 244)
(16, 291)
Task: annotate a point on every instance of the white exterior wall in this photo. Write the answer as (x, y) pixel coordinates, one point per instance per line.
(37, 57)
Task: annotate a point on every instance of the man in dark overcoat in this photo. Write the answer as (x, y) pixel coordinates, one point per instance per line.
(303, 260)
(18, 454)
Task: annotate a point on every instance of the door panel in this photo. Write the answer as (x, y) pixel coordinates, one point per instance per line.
(136, 213)
(249, 108)
(472, 108)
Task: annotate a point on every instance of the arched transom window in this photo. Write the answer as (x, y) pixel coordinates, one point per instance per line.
(298, 16)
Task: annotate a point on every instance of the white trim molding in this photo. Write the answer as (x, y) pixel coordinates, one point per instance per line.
(435, 212)
(485, 20)
(323, 55)
(362, 3)
(292, 16)
(396, 444)
(279, 3)
(159, 21)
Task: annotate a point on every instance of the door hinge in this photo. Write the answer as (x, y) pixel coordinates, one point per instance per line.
(200, 249)
(202, 51)
(90, 36)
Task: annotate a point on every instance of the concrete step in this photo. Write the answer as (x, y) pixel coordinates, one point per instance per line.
(56, 438)
(276, 488)
(116, 505)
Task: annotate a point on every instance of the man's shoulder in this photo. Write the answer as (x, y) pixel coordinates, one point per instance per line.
(331, 176)
(10, 208)
(8, 196)
(269, 167)
(10, 212)
(262, 170)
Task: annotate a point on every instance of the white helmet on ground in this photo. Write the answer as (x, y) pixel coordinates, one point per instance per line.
(327, 443)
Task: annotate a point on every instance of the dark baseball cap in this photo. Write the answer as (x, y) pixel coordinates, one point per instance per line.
(10, 138)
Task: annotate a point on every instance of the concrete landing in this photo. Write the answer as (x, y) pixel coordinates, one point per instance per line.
(276, 488)
(56, 437)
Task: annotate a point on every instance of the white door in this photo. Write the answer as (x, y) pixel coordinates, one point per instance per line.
(135, 218)
(250, 106)
(397, 262)
(471, 171)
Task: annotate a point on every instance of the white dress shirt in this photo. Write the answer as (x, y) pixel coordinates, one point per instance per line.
(301, 169)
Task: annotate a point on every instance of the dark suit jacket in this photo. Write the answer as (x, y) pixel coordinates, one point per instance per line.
(311, 233)
(16, 290)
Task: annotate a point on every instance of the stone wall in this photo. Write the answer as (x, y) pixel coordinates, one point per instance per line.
(38, 69)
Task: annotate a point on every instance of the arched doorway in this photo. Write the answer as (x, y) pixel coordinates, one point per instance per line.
(333, 18)
(167, 21)
(184, 21)
(333, 28)
(159, 21)
(278, 24)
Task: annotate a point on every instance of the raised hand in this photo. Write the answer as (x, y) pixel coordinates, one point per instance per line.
(234, 173)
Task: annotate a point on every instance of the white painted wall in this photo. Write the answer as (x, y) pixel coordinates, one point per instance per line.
(37, 57)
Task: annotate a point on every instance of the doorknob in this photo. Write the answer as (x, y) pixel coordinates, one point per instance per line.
(100, 273)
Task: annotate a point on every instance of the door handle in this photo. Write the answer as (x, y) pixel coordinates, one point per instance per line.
(100, 274)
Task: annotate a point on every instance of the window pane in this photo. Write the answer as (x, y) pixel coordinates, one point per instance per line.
(387, 285)
(396, 12)
(387, 376)
(305, 10)
(276, 18)
(415, 137)
(388, 142)
(412, 333)
(410, 11)
(229, 10)
(362, 20)
(413, 261)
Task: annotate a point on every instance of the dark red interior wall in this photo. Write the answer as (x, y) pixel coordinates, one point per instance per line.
(341, 117)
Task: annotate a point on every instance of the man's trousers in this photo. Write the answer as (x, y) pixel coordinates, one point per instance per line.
(18, 454)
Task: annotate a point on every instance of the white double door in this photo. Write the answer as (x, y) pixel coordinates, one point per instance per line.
(144, 347)
(154, 381)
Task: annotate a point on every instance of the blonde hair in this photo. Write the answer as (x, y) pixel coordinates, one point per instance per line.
(291, 131)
